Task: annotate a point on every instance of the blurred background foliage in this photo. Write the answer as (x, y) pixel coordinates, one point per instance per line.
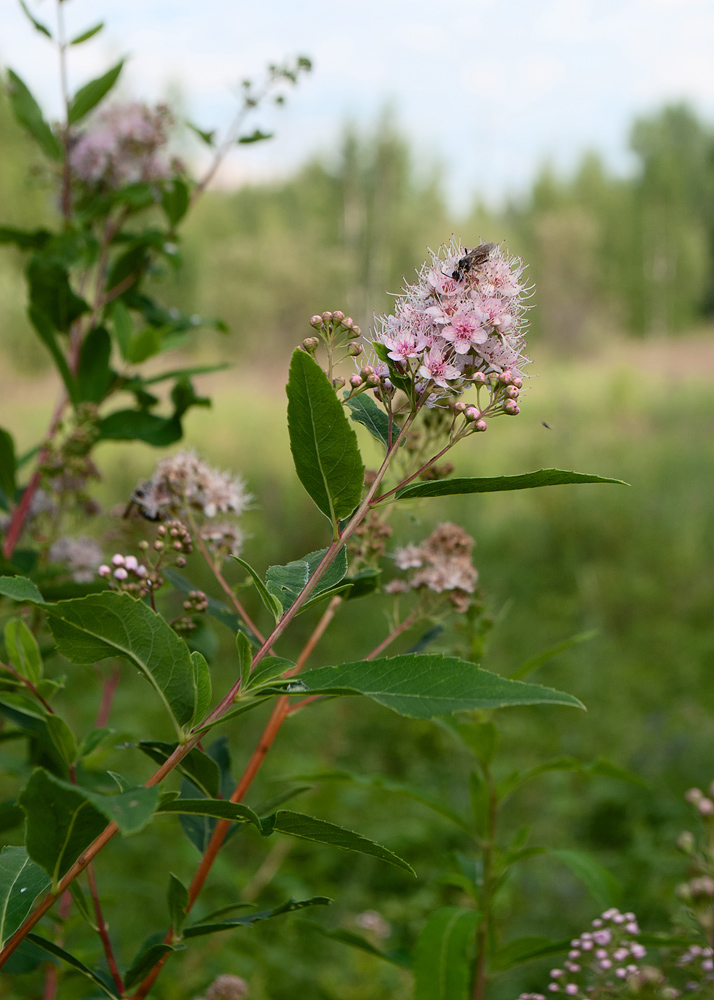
(621, 334)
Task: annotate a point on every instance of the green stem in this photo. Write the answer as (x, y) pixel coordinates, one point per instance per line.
(484, 933)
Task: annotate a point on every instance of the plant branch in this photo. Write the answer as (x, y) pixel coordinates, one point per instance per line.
(102, 930)
(29, 685)
(407, 623)
(109, 688)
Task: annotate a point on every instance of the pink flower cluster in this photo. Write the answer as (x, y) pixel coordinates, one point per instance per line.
(458, 320)
(123, 144)
(186, 482)
(441, 563)
(599, 958)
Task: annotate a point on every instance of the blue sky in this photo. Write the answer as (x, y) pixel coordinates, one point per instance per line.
(489, 88)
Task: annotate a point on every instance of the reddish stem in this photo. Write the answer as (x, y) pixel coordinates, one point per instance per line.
(407, 623)
(111, 683)
(102, 929)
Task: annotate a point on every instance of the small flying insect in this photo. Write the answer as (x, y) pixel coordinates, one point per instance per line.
(547, 426)
(473, 258)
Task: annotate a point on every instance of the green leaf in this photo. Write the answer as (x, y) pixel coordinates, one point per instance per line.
(498, 484)
(444, 955)
(82, 903)
(60, 822)
(197, 766)
(144, 345)
(54, 949)
(479, 793)
(7, 466)
(207, 137)
(37, 24)
(123, 327)
(202, 679)
(27, 112)
(131, 810)
(86, 35)
(527, 949)
(216, 808)
(324, 446)
(285, 583)
(63, 738)
(144, 962)
(140, 425)
(200, 928)
(175, 201)
(270, 602)
(319, 830)
(267, 670)
(51, 294)
(95, 377)
(537, 661)
(255, 136)
(23, 650)
(177, 900)
(393, 787)
(21, 882)
(601, 883)
(112, 624)
(365, 411)
(423, 686)
(19, 588)
(245, 658)
(359, 942)
(45, 329)
(88, 96)
(25, 239)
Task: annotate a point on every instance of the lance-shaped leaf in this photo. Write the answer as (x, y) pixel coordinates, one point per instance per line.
(217, 808)
(601, 883)
(88, 96)
(21, 882)
(112, 624)
(365, 411)
(7, 468)
(95, 975)
(527, 949)
(28, 113)
(86, 35)
(310, 828)
(199, 767)
(399, 958)
(37, 24)
(285, 582)
(499, 484)
(23, 650)
(443, 956)
(324, 446)
(131, 810)
(424, 686)
(149, 954)
(201, 928)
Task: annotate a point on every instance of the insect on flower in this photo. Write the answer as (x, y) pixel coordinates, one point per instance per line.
(473, 258)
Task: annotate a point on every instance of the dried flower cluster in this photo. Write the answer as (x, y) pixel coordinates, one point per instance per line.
(124, 144)
(442, 563)
(457, 321)
(186, 483)
(227, 987)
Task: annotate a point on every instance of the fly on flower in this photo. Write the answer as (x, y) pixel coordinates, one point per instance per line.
(473, 258)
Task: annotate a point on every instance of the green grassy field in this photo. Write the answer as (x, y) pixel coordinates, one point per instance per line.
(633, 564)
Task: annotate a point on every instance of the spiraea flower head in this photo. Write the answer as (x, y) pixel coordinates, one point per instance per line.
(464, 315)
(442, 564)
(185, 482)
(81, 555)
(123, 144)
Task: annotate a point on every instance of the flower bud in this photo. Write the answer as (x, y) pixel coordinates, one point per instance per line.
(481, 425)
(354, 350)
(693, 796)
(511, 407)
(104, 570)
(143, 545)
(316, 321)
(685, 842)
(367, 371)
(357, 330)
(327, 317)
(338, 382)
(505, 378)
(338, 317)
(511, 392)
(706, 807)
(459, 406)
(120, 573)
(517, 382)
(373, 381)
(118, 560)
(356, 381)
(472, 413)
(348, 323)
(158, 545)
(181, 561)
(479, 378)
(309, 344)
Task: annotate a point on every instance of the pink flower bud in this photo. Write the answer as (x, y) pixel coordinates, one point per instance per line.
(316, 321)
(356, 381)
(141, 570)
(338, 316)
(472, 413)
(693, 796)
(505, 377)
(480, 378)
(373, 380)
(706, 807)
(511, 392)
(118, 560)
(459, 406)
(356, 330)
(131, 563)
(481, 425)
(367, 371)
(337, 383)
(511, 407)
(120, 574)
(327, 317)
(354, 350)
(104, 570)
(181, 561)
(517, 382)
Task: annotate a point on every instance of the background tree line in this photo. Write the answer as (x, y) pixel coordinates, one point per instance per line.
(608, 255)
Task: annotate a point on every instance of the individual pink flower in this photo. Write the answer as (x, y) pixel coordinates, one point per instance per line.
(465, 330)
(437, 369)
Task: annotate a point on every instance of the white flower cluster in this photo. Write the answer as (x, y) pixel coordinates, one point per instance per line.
(81, 555)
(123, 144)
(184, 482)
(598, 959)
(462, 317)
